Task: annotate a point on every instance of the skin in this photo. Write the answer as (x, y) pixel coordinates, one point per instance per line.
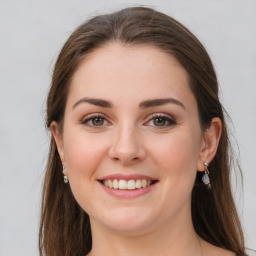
(128, 139)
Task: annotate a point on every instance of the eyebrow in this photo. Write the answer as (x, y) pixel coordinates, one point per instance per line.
(96, 102)
(160, 102)
(143, 104)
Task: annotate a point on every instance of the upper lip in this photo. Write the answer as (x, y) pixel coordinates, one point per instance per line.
(127, 177)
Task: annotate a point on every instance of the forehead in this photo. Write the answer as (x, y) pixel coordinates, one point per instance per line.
(124, 72)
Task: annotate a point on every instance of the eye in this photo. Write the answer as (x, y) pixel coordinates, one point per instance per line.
(161, 121)
(95, 120)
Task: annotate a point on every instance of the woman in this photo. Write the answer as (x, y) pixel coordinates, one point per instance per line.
(140, 136)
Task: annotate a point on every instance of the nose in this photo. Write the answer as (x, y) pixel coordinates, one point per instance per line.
(127, 146)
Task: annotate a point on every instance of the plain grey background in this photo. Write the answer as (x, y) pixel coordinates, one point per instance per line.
(31, 35)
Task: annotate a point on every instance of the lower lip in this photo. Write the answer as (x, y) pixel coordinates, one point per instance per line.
(125, 193)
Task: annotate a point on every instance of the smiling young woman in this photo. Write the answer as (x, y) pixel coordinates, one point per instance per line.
(139, 130)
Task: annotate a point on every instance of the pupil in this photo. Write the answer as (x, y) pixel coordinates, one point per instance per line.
(159, 121)
(98, 121)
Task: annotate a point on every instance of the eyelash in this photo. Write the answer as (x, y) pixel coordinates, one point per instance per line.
(168, 121)
(90, 118)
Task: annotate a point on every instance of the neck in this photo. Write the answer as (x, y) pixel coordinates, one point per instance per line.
(171, 238)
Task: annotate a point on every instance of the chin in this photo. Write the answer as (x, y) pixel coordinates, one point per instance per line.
(127, 220)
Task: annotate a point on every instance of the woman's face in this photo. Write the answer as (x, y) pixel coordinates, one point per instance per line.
(131, 141)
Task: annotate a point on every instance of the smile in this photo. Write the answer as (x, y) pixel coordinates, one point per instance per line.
(127, 184)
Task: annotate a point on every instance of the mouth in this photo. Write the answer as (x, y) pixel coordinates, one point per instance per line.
(128, 186)
(131, 184)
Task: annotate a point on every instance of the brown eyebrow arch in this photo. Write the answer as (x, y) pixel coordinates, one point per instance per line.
(96, 102)
(160, 102)
(143, 104)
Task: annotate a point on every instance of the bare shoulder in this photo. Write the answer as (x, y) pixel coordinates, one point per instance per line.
(211, 250)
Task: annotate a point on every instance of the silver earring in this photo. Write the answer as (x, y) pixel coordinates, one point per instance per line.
(65, 176)
(205, 178)
(65, 179)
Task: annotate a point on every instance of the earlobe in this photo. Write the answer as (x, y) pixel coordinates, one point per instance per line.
(210, 143)
(58, 140)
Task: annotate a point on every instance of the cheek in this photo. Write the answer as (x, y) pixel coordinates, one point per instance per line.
(176, 155)
(176, 160)
(179, 149)
(83, 154)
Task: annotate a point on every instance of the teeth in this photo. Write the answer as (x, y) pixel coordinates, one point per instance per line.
(127, 184)
(144, 183)
(115, 184)
(138, 183)
(110, 184)
(123, 184)
(131, 184)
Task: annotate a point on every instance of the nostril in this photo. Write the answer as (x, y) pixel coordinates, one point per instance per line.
(126, 159)
(127, 149)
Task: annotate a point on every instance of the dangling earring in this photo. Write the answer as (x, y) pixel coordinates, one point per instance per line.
(65, 179)
(65, 176)
(205, 178)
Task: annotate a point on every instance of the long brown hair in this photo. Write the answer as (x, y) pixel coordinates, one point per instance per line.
(65, 227)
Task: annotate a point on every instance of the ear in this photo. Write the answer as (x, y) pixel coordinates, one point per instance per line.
(58, 140)
(210, 143)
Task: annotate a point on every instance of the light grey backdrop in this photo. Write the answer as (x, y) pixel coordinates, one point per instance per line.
(31, 34)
